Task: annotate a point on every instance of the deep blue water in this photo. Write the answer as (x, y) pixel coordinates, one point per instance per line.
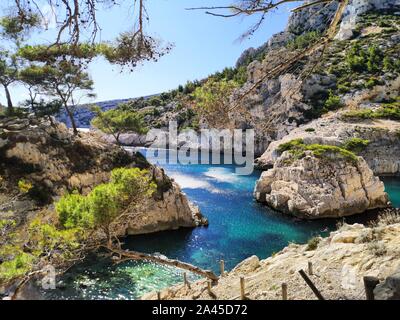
(238, 228)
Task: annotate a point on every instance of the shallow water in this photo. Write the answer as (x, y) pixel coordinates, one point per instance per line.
(238, 228)
(392, 187)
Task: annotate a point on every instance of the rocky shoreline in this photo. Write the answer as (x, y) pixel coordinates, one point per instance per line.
(339, 263)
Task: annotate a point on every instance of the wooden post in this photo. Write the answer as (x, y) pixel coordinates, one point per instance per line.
(222, 267)
(370, 284)
(242, 289)
(311, 285)
(284, 291)
(310, 268)
(158, 295)
(185, 280)
(210, 292)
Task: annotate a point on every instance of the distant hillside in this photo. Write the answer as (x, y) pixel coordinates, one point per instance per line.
(83, 115)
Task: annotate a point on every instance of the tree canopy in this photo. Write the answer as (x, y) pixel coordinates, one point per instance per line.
(118, 121)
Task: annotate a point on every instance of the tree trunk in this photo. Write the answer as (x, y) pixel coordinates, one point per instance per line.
(10, 106)
(134, 255)
(71, 118)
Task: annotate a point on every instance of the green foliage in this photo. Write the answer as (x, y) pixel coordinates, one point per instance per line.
(386, 111)
(16, 267)
(309, 130)
(304, 40)
(106, 202)
(372, 82)
(356, 58)
(45, 238)
(356, 144)
(293, 144)
(43, 109)
(132, 184)
(117, 121)
(297, 149)
(344, 87)
(237, 75)
(212, 100)
(74, 211)
(24, 187)
(333, 102)
(12, 26)
(312, 243)
(359, 114)
(361, 60)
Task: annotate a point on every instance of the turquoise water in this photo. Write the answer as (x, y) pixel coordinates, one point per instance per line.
(392, 187)
(238, 228)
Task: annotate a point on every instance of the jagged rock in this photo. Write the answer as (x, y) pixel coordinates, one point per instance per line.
(319, 187)
(356, 8)
(248, 265)
(390, 289)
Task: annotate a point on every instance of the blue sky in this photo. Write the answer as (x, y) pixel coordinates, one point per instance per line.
(202, 45)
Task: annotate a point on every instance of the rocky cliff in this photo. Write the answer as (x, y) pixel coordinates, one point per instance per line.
(382, 136)
(324, 183)
(51, 161)
(339, 263)
(275, 106)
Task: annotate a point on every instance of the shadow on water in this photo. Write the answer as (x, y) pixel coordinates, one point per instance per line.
(239, 227)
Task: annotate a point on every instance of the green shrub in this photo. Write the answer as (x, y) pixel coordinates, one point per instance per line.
(333, 102)
(17, 267)
(296, 143)
(118, 121)
(356, 144)
(359, 114)
(104, 202)
(344, 88)
(46, 238)
(356, 58)
(73, 211)
(24, 187)
(385, 111)
(310, 130)
(374, 59)
(297, 149)
(372, 82)
(304, 41)
(128, 188)
(312, 243)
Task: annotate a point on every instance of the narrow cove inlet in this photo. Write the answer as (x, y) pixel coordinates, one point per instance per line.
(239, 227)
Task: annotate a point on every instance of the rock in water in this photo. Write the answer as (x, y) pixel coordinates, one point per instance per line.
(327, 186)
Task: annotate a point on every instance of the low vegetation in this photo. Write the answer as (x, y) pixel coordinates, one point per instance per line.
(297, 148)
(356, 144)
(312, 243)
(304, 40)
(62, 239)
(389, 111)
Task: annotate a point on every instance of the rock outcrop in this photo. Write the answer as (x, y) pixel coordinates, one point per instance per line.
(382, 135)
(356, 8)
(53, 162)
(327, 186)
(172, 210)
(339, 262)
(390, 289)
